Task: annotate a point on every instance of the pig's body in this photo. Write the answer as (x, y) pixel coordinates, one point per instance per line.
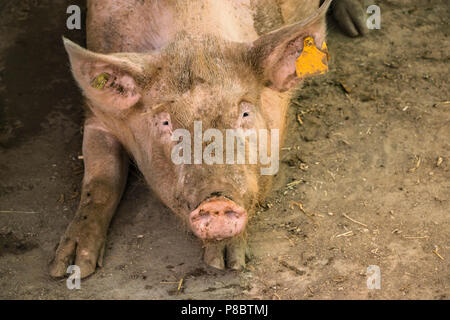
(141, 26)
(157, 66)
(152, 25)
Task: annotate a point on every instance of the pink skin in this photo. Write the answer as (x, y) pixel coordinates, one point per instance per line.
(218, 219)
(145, 48)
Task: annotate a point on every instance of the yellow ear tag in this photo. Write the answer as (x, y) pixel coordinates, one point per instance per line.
(100, 81)
(312, 61)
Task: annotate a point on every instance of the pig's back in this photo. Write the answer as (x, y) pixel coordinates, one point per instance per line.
(145, 25)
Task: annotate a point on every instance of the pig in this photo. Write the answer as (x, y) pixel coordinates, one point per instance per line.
(350, 17)
(153, 67)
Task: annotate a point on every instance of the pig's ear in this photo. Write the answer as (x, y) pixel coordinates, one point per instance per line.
(109, 81)
(274, 55)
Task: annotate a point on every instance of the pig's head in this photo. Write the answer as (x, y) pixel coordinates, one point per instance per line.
(153, 102)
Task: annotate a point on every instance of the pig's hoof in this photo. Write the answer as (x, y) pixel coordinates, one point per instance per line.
(82, 245)
(231, 253)
(350, 16)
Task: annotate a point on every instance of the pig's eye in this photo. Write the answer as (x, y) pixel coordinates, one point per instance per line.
(246, 114)
(162, 123)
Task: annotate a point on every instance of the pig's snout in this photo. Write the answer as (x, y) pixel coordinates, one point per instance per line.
(218, 219)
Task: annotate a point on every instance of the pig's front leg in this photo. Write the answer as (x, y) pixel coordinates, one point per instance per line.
(106, 167)
(232, 252)
(349, 15)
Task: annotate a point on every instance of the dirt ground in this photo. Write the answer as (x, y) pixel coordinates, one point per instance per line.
(368, 165)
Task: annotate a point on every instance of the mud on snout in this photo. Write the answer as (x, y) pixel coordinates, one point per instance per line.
(217, 219)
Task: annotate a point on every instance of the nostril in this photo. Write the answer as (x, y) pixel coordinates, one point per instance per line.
(231, 214)
(203, 213)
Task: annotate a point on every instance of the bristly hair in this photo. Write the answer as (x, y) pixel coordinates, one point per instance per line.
(192, 61)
